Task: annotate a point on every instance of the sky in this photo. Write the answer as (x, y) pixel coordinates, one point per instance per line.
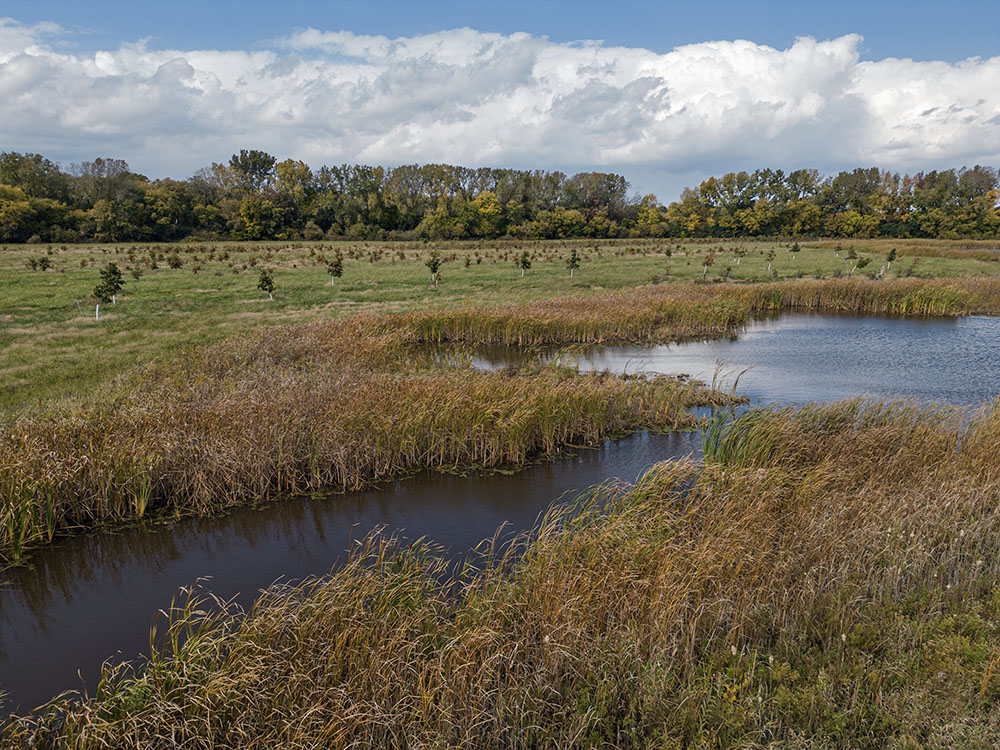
(665, 93)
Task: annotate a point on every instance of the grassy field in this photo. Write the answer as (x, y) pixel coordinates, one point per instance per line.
(345, 402)
(334, 405)
(828, 579)
(53, 347)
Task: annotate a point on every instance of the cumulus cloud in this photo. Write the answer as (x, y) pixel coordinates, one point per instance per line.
(475, 98)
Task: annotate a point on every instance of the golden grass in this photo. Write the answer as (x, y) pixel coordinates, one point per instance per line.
(336, 405)
(833, 586)
(299, 408)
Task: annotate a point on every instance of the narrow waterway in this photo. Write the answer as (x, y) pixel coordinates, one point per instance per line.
(95, 597)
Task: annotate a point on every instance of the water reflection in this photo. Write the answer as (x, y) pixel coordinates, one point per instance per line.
(95, 596)
(810, 357)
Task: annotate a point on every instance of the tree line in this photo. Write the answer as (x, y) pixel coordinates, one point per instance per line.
(254, 196)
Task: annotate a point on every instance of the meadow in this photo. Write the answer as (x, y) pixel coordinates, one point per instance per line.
(191, 294)
(827, 578)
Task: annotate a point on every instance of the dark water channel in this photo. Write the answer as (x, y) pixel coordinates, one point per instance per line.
(95, 596)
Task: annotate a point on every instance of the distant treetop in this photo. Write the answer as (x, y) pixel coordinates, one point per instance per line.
(255, 196)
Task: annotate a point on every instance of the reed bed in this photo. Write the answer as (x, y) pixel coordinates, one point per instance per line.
(830, 584)
(326, 406)
(338, 405)
(891, 297)
(661, 313)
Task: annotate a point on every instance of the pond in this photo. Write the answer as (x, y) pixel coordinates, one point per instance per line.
(799, 358)
(94, 597)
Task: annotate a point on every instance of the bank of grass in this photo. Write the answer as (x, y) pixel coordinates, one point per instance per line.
(199, 293)
(666, 312)
(827, 579)
(339, 404)
(313, 407)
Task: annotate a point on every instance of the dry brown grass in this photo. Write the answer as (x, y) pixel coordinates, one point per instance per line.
(336, 405)
(831, 587)
(299, 408)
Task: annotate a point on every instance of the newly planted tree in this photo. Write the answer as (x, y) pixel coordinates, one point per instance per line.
(890, 257)
(708, 261)
(524, 262)
(102, 295)
(573, 263)
(433, 263)
(108, 287)
(266, 283)
(770, 258)
(335, 268)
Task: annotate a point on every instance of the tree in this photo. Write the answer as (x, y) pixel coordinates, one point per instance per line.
(108, 287)
(112, 281)
(487, 215)
(708, 261)
(433, 263)
(258, 219)
(573, 262)
(105, 179)
(254, 170)
(103, 295)
(16, 215)
(336, 268)
(890, 258)
(770, 258)
(650, 218)
(524, 262)
(35, 175)
(266, 283)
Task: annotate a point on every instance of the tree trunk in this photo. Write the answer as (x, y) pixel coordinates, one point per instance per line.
(97, 312)
(114, 300)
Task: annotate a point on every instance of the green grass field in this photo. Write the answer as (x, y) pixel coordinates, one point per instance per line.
(53, 347)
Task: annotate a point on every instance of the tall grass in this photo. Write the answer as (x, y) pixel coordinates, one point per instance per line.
(663, 313)
(337, 406)
(342, 404)
(834, 585)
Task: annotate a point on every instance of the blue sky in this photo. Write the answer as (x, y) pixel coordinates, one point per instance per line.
(918, 29)
(674, 91)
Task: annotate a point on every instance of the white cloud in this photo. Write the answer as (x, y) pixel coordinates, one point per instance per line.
(474, 98)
